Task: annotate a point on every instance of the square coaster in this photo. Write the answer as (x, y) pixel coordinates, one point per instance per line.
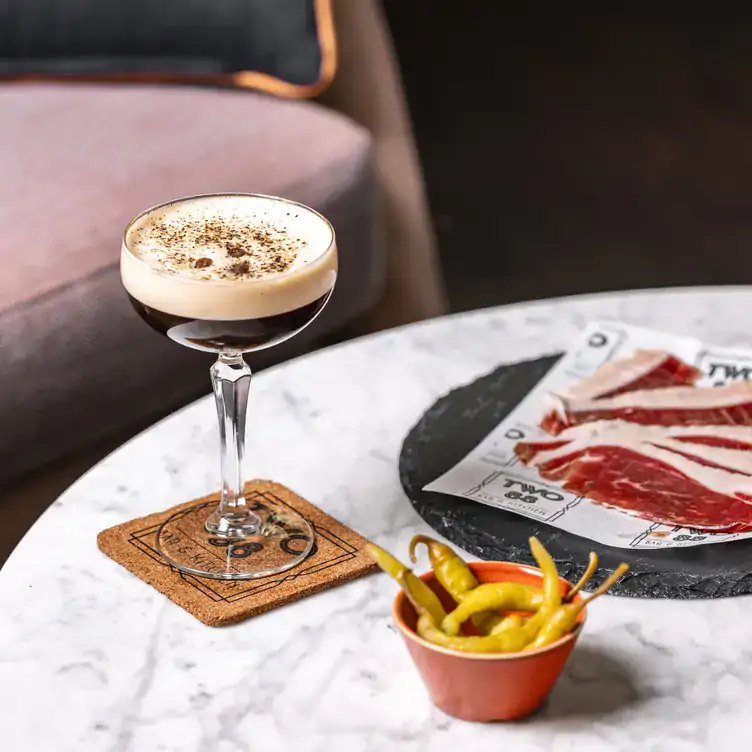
(338, 557)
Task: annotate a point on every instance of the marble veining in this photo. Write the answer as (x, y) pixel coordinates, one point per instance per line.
(93, 659)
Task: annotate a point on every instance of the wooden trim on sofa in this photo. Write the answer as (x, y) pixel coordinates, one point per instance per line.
(368, 89)
(327, 70)
(256, 80)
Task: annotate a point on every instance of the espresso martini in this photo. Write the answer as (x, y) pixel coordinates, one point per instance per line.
(229, 272)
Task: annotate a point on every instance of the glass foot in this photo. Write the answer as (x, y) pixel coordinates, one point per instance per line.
(279, 540)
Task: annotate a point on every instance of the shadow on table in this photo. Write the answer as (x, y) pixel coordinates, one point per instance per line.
(593, 684)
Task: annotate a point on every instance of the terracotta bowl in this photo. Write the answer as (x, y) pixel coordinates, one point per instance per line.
(483, 687)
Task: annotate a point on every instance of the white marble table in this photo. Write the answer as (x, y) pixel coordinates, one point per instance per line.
(93, 659)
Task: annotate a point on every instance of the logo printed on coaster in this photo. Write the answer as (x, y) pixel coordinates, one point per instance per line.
(337, 556)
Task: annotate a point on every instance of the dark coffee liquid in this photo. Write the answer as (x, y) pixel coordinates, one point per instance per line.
(243, 335)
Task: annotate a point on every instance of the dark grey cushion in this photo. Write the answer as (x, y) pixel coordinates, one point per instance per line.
(278, 37)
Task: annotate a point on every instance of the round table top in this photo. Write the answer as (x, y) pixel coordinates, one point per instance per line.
(91, 658)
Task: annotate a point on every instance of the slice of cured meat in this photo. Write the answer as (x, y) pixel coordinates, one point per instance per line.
(680, 405)
(692, 476)
(643, 370)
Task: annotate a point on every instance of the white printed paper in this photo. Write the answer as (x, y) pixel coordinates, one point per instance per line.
(492, 474)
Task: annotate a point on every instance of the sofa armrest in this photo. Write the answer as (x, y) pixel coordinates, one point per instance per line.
(368, 88)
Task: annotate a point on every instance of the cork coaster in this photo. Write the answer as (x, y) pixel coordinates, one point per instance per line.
(337, 557)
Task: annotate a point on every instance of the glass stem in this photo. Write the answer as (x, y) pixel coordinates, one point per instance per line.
(231, 381)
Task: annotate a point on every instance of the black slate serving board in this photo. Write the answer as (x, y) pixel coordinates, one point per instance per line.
(455, 424)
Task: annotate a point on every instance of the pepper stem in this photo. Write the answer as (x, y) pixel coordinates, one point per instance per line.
(591, 567)
(607, 583)
(425, 539)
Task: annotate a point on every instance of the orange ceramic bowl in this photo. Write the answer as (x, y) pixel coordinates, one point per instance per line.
(486, 687)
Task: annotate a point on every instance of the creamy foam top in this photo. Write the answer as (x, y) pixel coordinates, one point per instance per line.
(229, 257)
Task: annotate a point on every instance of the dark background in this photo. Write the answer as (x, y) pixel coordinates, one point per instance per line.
(568, 151)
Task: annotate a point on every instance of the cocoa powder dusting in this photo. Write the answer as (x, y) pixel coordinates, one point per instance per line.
(218, 242)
